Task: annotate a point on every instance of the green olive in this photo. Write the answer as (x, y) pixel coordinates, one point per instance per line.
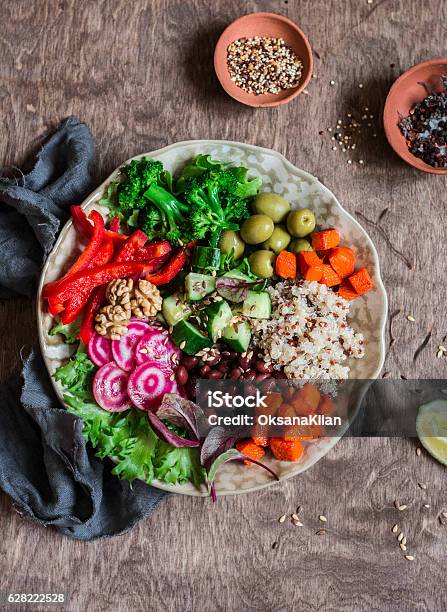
(261, 263)
(231, 241)
(298, 245)
(301, 222)
(272, 205)
(256, 229)
(278, 241)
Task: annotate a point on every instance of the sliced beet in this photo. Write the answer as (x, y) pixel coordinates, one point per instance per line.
(99, 350)
(157, 346)
(123, 350)
(110, 388)
(148, 384)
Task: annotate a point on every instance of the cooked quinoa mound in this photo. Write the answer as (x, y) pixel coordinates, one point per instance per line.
(308, 334)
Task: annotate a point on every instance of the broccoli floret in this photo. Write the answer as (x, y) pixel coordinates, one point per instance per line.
(139, 175)
(215, 205)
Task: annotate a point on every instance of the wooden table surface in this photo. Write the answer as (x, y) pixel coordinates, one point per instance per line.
(140, 74)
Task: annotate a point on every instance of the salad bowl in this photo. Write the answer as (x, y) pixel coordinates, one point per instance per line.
(301, 189)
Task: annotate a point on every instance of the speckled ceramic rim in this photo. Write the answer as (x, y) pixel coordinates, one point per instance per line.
(244, 98)
(389, 121)
(381, 323)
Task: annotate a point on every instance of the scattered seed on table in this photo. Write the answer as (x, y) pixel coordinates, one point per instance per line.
(444, 514)
(332, 83)
(361, 162)
(422, 486)
(418, 451)
(298, 523)
(411, 318)
(400, 537)
(404, 541)
(426, 505)
(298, 509)
(322, 518)
(295, 517)
(402, 546)
(402, 507)
(275, 545)
(282, 518)
(395, 528)
(409, 557)
(320, 532)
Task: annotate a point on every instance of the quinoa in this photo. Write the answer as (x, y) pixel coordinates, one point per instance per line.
(308, 335)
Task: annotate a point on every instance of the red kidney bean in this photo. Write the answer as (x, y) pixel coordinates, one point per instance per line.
(214, 375)
(262, 367)
(244, 362)
(250, 375)
(262, 376)
(205, 370)
(181, 374)
(190, 362)
(213, 361)
(223, 367)
(235, 373)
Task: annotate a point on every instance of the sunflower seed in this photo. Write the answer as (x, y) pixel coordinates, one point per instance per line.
(298, 523)
(402, 547)
(444, 514)
(298, 510)
(400, 537)
(322, 518)
(411, 318)
(321, 532)
(418, 452)
(395, 528)
(409, 557)
(422, 486)
(426, 505)
(282, 518)
(295, 517)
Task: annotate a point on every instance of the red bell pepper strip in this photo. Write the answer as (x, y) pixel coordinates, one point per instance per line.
(85, 228)
(87, 280)
(115, 224)
(96, 298)
(152, 250)
(87, 255)
(55, 306)
(134, 242)
(169, 270)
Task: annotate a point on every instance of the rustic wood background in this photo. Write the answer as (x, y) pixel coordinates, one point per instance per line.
(140, 74)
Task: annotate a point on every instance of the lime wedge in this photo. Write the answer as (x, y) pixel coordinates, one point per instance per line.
(431, 427)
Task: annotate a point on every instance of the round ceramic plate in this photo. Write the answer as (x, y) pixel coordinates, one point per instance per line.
(368, 313)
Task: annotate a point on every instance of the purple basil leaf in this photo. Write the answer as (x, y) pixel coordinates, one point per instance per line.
(168, 435)
(232, 455)
(217, 441)
(180, 412)
(234, 289)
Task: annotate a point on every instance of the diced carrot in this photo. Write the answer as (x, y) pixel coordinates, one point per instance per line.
(306, 400)
(342, 261)
(326, 239)
(273, 401)
(346, 291)
(314, 273)
(326, 406)
(249, 448)
(310, 265)
(285, 265)
(330, 276)
(361, 281)
(307, 259)
(286, 450)
(260, 440)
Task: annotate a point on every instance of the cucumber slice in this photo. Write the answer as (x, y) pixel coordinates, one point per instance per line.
(189, 338)
(206, 258)
(257, 305)
(174, 309)
(238, 336)
(219, 316)
(198, 286)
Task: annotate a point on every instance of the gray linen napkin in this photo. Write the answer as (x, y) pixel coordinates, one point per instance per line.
(46, 466)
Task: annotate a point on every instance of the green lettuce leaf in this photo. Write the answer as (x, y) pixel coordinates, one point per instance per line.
(69, 331)
(77, 375)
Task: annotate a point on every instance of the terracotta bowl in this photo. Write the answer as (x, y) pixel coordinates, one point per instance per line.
(403, 95)
(263, 24)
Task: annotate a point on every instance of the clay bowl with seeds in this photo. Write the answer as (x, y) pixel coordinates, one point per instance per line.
(368, 314)
(264, 25)
(409, 89)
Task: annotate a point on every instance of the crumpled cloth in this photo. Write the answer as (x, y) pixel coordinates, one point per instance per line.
(46, 466)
